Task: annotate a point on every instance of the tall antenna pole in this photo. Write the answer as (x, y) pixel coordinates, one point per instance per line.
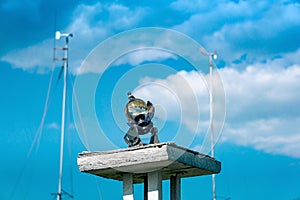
(213, 179)
(211, 116)
(58, 35)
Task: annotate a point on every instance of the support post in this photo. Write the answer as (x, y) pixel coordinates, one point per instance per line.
(175, 187)
(154, 185)
(146, 188)
(128, 193)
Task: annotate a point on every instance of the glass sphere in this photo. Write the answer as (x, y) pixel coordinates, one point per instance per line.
(136, 110)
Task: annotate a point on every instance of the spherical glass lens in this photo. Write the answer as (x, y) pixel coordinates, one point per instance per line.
(137, 107)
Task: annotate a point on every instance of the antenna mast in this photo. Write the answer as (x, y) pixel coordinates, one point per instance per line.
(212, 139)
(213, 179)
(58, 35)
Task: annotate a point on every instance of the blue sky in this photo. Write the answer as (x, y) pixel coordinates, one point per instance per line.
(258, 47)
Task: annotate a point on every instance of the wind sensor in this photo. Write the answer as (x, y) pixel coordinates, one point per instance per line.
(58, 35)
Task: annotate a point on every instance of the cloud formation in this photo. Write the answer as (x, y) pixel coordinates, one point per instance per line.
(241, 31)
(262, 105)
(236, 28)
(90, 25)
(139, 56)
(34, 58)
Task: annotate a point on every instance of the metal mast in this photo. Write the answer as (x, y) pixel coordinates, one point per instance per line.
(213, 179)
(58, 35)
(211, 116)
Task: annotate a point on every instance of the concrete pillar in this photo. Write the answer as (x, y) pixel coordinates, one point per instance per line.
(154, 185)
(175, 187)
(128, 187)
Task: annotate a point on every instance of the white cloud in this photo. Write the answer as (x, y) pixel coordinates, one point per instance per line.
(262, 104)
(273, 135)
(183, 97)
(263, 110)
(233, 28)
(137, 57)
(123, 17)
(89, 27)
(98, 20)
(192, 6)
(237, 28)
(270, 90)
(37, 57)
